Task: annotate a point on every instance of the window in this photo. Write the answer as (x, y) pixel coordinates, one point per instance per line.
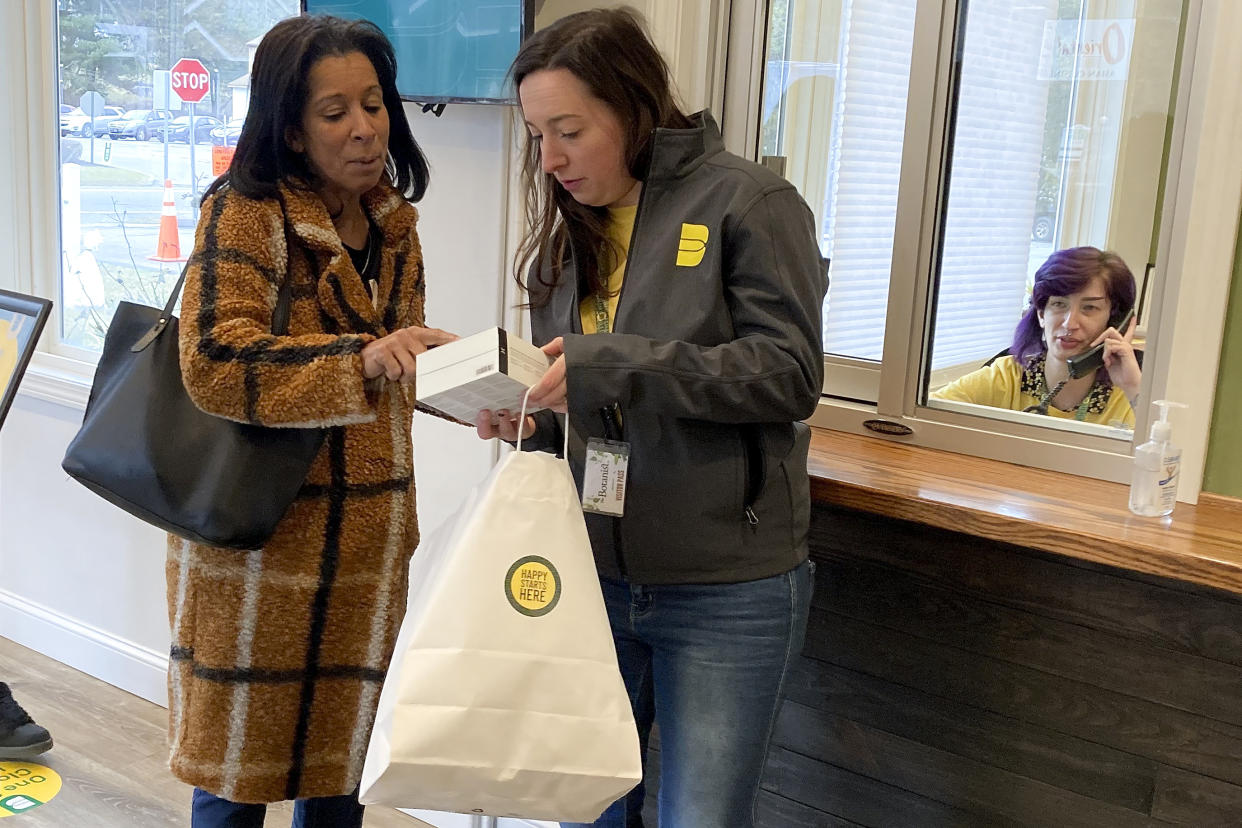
(948, 147)
(134, 156)
(834, 105)
(833, 119)
(1058, 140)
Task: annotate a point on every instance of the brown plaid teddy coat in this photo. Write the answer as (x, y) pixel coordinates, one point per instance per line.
(278, 654)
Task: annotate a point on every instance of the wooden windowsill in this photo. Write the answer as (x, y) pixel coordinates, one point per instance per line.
(1072, 516)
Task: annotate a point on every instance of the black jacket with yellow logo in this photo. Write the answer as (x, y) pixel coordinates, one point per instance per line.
(715, 356)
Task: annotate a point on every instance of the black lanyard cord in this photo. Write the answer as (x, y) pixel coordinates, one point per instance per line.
(1042, 406)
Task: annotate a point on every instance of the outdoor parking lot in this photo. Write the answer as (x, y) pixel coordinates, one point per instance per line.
(112, 196)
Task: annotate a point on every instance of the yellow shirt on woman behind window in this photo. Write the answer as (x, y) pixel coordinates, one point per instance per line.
(1006, 384)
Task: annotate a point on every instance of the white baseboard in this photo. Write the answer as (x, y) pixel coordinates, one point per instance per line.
(97, 653)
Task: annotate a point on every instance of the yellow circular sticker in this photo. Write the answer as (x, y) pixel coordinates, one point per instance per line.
(25, 786)
(533, 586)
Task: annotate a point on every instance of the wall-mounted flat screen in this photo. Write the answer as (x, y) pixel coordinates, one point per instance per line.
(447, 50)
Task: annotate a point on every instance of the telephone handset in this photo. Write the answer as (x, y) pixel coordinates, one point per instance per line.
(1091, 361)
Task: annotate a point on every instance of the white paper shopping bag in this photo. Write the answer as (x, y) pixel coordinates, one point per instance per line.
(503, 696)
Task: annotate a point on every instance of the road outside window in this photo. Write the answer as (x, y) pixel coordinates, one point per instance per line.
(149, 90)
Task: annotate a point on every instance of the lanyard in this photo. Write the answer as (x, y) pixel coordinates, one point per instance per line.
(1080, 414)
(601, 314)
(610, 413)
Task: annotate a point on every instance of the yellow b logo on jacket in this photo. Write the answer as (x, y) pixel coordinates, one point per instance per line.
(693, 245)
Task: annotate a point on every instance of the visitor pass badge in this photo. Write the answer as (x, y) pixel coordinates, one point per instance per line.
(604, 478)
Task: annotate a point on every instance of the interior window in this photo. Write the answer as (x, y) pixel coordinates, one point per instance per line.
(1057, 139)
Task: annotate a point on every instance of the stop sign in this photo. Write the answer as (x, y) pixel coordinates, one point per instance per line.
(190, 80)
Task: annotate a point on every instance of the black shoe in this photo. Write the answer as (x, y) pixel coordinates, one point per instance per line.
(20, 737)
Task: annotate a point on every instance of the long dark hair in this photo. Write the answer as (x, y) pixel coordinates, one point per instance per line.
(279, 87)
(1066, 272)
(610, 51)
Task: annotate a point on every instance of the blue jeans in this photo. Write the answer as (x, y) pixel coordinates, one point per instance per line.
(210, 811)
(706, 663)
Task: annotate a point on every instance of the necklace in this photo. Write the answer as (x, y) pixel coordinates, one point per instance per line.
(366, 263)
(361, 257)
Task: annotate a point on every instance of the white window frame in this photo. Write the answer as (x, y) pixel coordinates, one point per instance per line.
(30, 161)
(1203, 199)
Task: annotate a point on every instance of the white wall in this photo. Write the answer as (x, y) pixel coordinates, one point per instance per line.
(463, 226)
(84, 583)
(81, 581)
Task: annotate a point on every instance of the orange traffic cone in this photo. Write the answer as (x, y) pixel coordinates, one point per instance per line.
(168, 247)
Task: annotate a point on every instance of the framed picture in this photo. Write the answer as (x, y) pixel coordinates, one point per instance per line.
(22, 319)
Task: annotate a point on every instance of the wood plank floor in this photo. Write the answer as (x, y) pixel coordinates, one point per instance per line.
(111, 753)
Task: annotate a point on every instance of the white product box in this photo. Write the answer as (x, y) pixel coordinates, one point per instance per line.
(490, 369)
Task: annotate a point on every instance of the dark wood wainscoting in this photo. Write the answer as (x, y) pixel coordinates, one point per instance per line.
(953, 680)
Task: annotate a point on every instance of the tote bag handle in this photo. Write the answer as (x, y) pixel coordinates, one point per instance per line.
(522, 427)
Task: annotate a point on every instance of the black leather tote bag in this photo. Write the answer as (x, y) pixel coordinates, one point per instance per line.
(145, 447)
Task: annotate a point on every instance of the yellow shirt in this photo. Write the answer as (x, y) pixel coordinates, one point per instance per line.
(1006, 384)
(620, 228)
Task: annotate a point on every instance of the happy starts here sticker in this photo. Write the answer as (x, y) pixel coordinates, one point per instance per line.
(533, 586)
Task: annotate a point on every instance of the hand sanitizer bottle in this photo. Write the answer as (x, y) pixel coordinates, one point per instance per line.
(1157, 464)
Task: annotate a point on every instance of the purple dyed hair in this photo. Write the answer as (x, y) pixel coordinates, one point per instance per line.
(1063, 273)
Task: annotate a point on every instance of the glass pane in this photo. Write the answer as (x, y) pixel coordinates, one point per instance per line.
(1058, 140)
(834, 109)
(133, 167)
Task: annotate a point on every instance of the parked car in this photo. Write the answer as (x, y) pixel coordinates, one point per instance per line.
(225, 135)
(79, 123)
(73, 121)
(179, 129)
(103, 122)
(139, 124)
(65, 108)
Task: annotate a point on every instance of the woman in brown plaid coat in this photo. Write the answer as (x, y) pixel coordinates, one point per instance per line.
(278, 653)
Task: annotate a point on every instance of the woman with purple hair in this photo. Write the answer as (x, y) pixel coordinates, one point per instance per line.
(1080, 295)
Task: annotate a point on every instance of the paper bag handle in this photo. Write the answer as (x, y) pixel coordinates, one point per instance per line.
(522, 426)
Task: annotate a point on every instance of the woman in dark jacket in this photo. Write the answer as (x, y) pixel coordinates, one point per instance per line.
(278, 653)
(679, 288)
